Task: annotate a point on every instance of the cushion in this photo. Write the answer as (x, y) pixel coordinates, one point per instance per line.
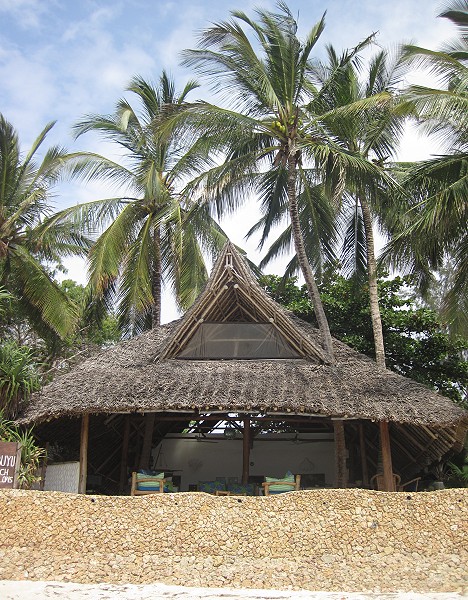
(238, 488)
(211, 486)
(277, 489)
(148, 486)
(169, 486)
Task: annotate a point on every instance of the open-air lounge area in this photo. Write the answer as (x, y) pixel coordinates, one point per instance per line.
(237, 397)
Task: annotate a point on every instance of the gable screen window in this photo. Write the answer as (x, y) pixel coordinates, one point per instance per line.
(237, 340)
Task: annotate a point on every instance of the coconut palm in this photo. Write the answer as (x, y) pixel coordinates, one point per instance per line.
(29, 237)
(371, 133)
(435, 225)
(274, 145)
(152, 231)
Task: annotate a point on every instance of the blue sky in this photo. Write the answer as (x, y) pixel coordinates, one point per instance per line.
(61, 59)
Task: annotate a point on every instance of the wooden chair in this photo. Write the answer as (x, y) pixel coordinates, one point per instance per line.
(134, 491)
(402, 487)
(377, 482)
(295, 485)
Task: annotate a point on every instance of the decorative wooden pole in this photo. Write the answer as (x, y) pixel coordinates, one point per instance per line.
(83, 454)
(340, 454)
(124, 457)
(246, 451)
(389, 483)
(362, 448)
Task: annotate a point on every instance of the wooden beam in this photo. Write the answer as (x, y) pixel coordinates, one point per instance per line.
(246, 452)
(124, 455)
(341, 472)
(84, 440)
(363, 453)
(147, 441)
(386, 449)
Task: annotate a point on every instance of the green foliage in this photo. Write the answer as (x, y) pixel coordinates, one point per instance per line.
(156, 230)
(31, 453)
(102, 333)
(417, 346)
(29, 237)
(433, 225)
(19, 376)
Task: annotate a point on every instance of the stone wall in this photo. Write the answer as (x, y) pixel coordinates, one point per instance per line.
(326, 540)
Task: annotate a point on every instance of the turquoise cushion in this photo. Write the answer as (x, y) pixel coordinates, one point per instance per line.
(149, 486)
(211, 486)
(277, 489)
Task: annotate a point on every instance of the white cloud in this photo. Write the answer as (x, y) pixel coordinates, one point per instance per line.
(26, 13)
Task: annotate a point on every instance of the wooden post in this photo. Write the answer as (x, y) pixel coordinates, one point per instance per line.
(147, 441)
(389, 483)
(362, 448)
(124, 457)
(246, 452)
(340, 454)
(83, 454)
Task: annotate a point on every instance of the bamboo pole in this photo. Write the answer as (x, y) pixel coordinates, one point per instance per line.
(389, 483)
(83, 454)
(246, 452)
(340, 454)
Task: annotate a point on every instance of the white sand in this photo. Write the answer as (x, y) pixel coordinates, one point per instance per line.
(51, 590)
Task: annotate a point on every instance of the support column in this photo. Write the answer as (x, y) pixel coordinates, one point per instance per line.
(341, 471)
(389, 483)
(124, 456)
(147, 441)
(363, 453)
(246, 451)
(83, 454)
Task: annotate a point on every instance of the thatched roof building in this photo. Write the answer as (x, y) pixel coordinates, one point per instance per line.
(277, 367)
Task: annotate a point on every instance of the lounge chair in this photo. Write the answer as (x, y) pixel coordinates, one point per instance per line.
(274, 485)
(143, 484)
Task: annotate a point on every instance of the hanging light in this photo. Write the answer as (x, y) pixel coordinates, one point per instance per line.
(229, 431)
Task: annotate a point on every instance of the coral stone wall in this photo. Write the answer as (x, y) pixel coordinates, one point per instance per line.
(317, 540)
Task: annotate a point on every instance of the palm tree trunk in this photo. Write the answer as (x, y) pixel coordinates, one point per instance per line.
(373, 292)
(304, 265)
(156, 280)
(156, 276)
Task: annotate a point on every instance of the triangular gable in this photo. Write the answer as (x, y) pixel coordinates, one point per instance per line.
(232, 295)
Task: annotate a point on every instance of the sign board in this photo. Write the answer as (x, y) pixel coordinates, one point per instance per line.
(10, 459)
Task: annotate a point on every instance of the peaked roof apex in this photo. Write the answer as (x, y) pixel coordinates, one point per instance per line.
(232, 294)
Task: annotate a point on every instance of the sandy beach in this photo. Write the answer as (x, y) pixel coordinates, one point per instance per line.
(52, 590)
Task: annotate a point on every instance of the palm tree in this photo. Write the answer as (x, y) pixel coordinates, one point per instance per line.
(372, 134)
(155, 231)
(274, 144)
(435, 226)
(29, 237)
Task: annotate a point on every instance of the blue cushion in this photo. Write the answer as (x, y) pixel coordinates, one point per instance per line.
(149, 486)
(211, 486)
(237, 488)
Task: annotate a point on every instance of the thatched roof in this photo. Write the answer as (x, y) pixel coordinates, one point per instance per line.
(144, 375)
